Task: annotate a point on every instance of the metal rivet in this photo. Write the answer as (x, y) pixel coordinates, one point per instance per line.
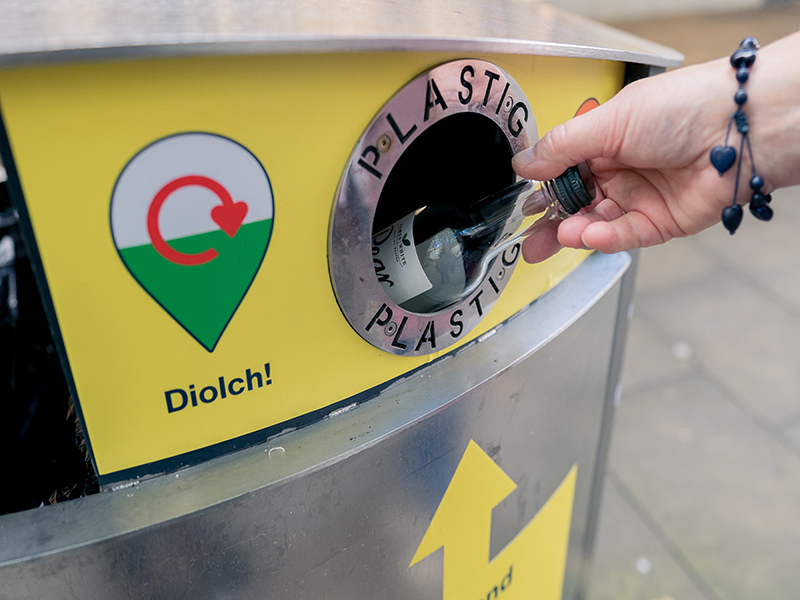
(508, 104)
(384, 143)
(500, 274)
(390, 329)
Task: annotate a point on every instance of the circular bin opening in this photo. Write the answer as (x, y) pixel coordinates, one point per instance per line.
(458, 160)
(451, 165)
(443, 141)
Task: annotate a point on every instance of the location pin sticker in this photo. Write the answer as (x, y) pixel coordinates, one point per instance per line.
(191, 217)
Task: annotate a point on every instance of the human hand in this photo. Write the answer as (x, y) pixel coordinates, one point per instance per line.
(648, 148)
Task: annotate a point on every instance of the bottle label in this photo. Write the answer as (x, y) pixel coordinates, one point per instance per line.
(397, 266)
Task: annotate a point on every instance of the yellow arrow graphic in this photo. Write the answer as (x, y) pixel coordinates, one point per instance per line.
(530, 566)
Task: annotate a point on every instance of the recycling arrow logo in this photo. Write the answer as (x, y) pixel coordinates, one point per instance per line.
(532, 565)
(191, 218)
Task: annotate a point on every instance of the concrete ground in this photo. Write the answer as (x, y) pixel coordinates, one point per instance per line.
(702, 494)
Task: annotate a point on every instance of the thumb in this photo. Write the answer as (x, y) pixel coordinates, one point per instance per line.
(588, 136)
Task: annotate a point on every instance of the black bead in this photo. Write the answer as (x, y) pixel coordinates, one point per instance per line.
(743, 56)
(750, 42)
(768, 198)
(758, 199)
(742, 74)
(756, 182)
(740, 97)
(762, 213)
(732, 217)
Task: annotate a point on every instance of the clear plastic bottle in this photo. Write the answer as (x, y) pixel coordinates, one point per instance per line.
(438, 255)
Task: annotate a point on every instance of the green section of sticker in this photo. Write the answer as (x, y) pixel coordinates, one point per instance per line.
(202, 298)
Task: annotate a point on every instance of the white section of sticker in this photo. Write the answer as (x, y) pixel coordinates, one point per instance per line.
(397, 266)
(186, 211)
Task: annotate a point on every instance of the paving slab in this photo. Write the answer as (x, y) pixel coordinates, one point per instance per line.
(670, 265)
(765, 256)
(650, 360)
(740, 339)
(793, 433)
(631, 562)
(722, 488)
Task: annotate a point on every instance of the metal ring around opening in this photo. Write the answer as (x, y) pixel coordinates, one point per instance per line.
(462, 86)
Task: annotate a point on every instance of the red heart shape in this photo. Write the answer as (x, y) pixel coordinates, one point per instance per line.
(229, 216)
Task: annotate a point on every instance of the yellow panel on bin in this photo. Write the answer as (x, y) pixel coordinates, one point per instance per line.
(72, 131)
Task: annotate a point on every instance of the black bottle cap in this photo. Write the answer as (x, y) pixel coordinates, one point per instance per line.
(575, 188)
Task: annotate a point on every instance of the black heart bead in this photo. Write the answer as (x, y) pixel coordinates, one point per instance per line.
(761, 212)
(732, 217)
(722, 157)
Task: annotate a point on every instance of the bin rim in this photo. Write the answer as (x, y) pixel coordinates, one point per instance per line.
(35, 32)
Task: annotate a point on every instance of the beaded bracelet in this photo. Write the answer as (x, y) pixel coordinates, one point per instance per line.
(723, 157)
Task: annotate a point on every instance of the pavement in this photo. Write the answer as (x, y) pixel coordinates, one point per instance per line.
(702, 493)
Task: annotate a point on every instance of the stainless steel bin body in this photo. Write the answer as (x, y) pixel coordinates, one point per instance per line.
(348, 482)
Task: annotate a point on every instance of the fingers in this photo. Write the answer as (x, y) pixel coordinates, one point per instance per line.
(591, 231)
(543, 242)
(547, 236)
(591, 135)
(570, 232)
(608, 229)
(633, 230)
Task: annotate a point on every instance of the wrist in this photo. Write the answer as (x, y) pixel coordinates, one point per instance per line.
(773, 110)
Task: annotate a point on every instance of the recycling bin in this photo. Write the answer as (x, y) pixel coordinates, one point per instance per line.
(199, 189)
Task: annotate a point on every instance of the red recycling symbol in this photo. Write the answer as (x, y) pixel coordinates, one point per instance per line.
(229, 216)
